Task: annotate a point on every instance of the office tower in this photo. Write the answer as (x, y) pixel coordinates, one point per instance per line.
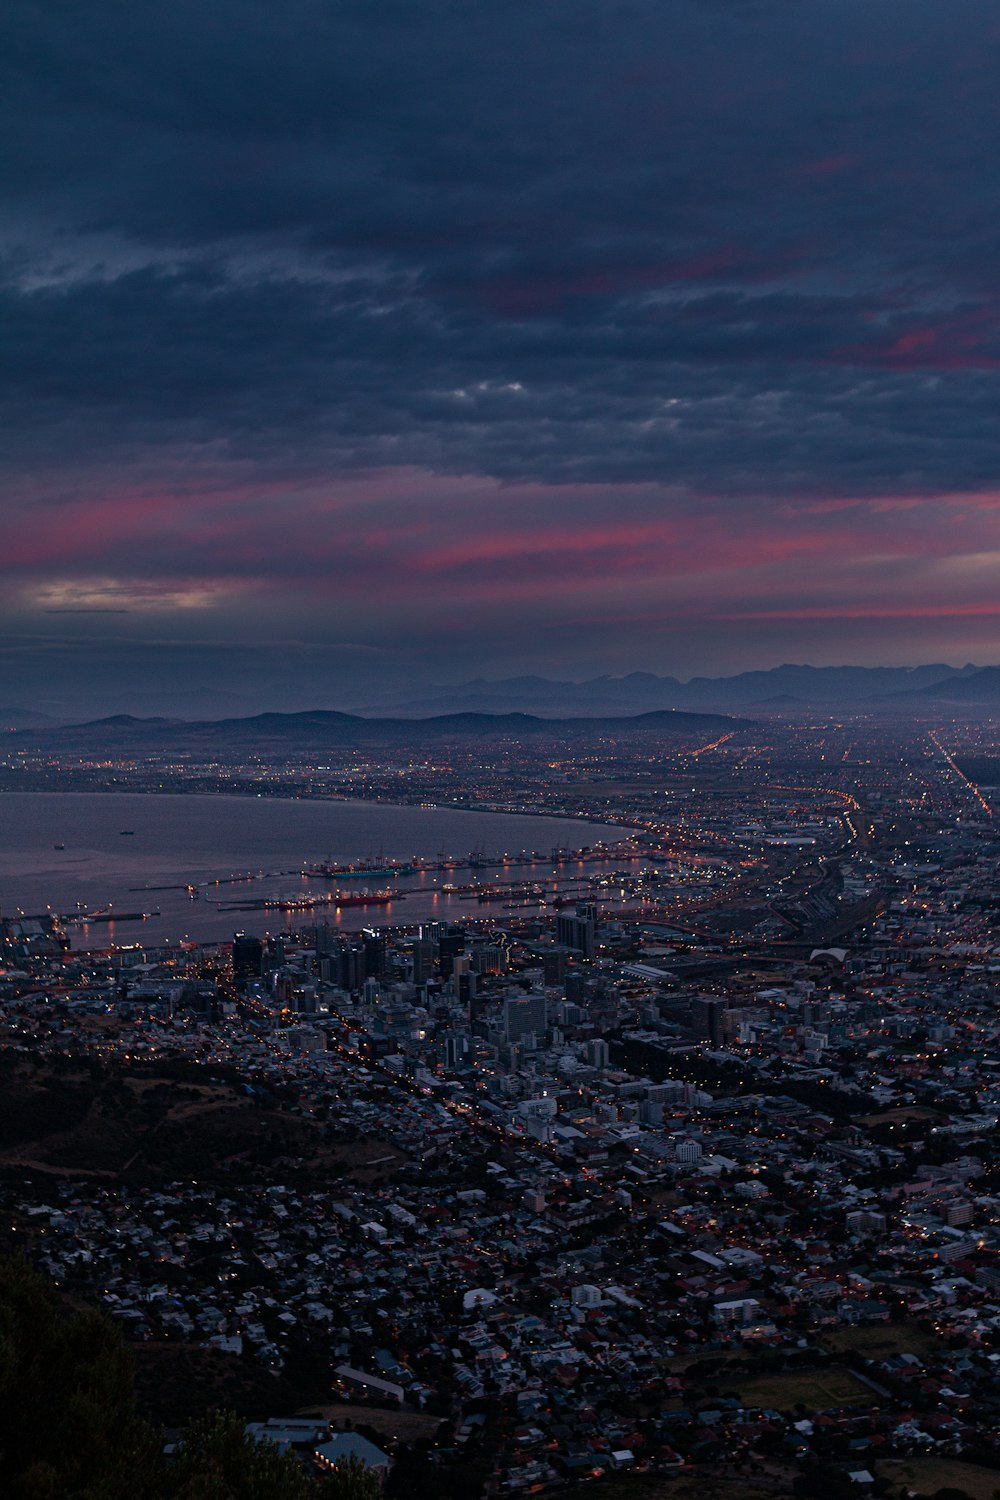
(450, 945)
(466, 987)
(375, 952)
(523, 1015)
(710, 1018)
(422, 953)
(327, 938)
(554, 965)
(248, 953)
(456, 1050)
(577, 932)
(576, 986)
(352, 967)
(489, 958)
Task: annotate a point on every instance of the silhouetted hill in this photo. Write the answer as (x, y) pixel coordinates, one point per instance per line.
(24, 718)
(825, 688)
(981, 687)
(325, 728)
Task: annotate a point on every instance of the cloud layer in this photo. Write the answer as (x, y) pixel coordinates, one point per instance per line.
(564, 335)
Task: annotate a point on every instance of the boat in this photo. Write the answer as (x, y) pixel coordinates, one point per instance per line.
(335, 899)
(58, 846)
(363, 870)
(126, 833)
(366, 898)
(88, 917)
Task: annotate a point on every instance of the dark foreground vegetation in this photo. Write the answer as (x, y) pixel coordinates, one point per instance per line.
(69, 1429)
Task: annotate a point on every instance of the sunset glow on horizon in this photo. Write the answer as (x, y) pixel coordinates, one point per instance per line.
(556, 339)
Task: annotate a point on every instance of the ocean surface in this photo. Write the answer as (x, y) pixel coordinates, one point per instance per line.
(134, 853)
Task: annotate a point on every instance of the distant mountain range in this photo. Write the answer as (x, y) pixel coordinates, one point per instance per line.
(980, 686)
(780, 690)
(322, 729)
(785, 687)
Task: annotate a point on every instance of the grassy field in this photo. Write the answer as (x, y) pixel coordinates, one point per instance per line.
(699, 1364)
(882, 1340)
(71, 1122)
(697, 1484)
(900, 1116)
(816, 1390)
(928, 1475)
(401, 1426)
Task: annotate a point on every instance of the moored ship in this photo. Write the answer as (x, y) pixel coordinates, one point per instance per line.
(365, 869)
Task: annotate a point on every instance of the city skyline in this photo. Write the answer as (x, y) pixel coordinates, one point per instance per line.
(500, 765)
(346, 345)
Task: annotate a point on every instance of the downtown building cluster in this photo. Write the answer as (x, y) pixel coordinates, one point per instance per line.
(591, 1193)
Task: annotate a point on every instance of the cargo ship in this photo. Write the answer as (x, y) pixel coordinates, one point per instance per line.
(312, 903)
(87, 918)
(353, 898)
(366, 898)
(366, 869)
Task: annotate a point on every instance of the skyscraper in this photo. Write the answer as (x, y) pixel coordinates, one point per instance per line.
(577, 932)
(248, 953)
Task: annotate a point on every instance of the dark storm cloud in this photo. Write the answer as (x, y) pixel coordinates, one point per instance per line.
(609, 207)
(678, 258)
(741, 392)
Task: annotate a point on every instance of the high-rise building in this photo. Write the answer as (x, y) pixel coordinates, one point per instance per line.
(710, 1017)
(466, 986)
(352, 967)
(575, 986)
(375, 952)
(489, 958)
(248, 953)
(597, 1052)
(524, 1015)
(554, 965)
(327, 938)
(422, 953)
(456, 1050)
(577, 932)
(450, 944)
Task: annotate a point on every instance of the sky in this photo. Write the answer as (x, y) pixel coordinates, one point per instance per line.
(405, 343)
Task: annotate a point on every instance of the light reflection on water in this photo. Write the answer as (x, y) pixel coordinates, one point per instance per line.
(177, 840)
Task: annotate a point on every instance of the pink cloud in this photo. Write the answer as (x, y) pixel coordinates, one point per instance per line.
(969, 339)
(868, 612)
(533, 296)
(451, 551)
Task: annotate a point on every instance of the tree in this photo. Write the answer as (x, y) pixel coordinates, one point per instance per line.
(218, 1461)
(352, 1480)
(67, 1426)
(69, 1430)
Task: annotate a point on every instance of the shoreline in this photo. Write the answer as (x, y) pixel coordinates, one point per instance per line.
(560, 815)
(64, 850)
